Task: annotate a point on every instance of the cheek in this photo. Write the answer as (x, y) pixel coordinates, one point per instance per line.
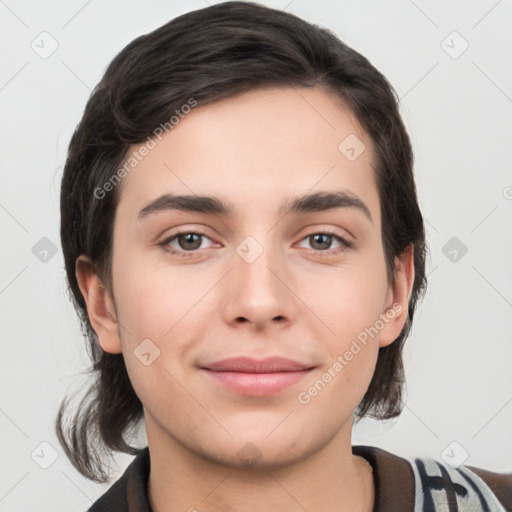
(350, 304)
(348, 300)
(159, 310)
(157, 301)
(350, 346)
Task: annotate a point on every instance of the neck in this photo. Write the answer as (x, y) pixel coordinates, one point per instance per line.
(332, 479)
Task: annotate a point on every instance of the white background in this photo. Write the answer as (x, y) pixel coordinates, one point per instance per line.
(458, 113)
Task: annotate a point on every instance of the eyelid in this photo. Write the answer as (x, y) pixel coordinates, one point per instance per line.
(326, 229)
(345, 243)
(186, 231)
(313, 230)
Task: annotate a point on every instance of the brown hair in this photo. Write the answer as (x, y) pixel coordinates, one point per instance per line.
(209, 54)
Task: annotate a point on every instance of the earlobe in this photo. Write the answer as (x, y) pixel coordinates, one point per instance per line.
(397, 310)
(100, 307)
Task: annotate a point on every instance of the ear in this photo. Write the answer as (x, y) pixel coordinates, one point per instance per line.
(100, 306)
(397, 301)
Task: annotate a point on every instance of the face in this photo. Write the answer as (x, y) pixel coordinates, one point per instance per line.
(193, 288)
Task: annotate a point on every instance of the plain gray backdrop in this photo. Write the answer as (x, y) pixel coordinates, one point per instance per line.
(450, 64)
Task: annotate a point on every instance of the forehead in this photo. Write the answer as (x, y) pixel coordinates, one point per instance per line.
(256, 150)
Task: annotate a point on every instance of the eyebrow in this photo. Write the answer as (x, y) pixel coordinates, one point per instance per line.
(307, 203)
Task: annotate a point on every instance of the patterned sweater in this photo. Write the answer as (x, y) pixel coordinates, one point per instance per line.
(401, 485)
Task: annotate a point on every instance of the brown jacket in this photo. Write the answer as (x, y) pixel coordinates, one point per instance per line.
(401, 485)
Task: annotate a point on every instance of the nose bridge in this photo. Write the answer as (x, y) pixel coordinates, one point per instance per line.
(256, 289)
(258, 261)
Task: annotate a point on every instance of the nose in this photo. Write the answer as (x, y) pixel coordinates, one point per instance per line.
(258, 290)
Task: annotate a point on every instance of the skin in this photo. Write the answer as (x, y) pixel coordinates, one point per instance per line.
(255, 150)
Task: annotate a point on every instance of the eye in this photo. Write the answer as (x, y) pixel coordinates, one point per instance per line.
(187, 242)
(322, 241)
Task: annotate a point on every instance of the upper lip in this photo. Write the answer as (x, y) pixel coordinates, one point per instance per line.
(250, 365)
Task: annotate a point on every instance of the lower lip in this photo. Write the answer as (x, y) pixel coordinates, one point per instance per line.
(257, 384)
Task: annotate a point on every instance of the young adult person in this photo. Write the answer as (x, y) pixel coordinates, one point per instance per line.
(244, 247)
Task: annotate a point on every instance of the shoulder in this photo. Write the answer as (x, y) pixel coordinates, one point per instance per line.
(499, 483)
(423, 483)
(128, 493)
(470, 488)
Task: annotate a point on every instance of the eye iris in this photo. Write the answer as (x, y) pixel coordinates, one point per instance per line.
(192, 241)
(189, 238)
(321, 236)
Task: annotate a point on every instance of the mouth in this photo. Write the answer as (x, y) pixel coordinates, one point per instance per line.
(254, 377)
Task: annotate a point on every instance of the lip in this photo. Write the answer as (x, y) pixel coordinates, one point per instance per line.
(255, 377)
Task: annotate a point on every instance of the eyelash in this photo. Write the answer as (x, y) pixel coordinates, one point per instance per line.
(187, 254)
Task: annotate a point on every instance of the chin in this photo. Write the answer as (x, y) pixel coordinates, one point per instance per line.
(257, 450)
